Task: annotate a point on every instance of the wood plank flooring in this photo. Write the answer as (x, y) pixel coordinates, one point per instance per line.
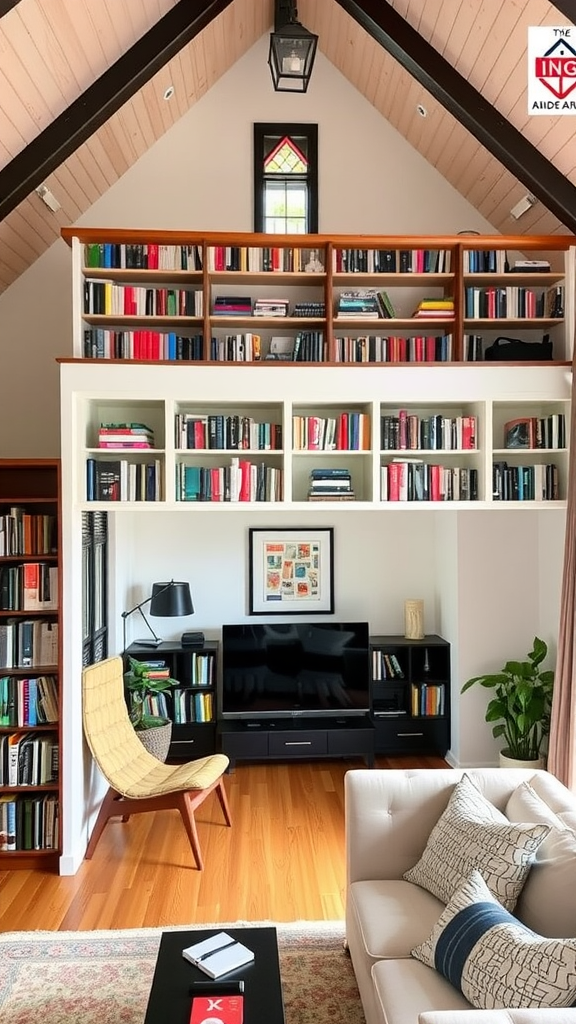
(282, 860)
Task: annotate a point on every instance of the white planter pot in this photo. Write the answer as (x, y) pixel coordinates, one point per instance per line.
(511, 762)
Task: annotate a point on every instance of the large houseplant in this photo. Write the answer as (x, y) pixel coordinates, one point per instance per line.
(143, 681)
(521, 705)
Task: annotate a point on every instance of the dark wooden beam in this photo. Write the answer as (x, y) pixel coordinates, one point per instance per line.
(97, 104)
(455, 93)
(7, 5)
(566, 7)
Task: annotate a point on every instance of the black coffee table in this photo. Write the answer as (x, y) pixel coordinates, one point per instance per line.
(170, 999)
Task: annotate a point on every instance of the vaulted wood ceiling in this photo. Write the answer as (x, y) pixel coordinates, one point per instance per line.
(53, 51)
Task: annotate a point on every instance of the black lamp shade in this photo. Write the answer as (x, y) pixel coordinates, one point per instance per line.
(171, 598)
(291, 57)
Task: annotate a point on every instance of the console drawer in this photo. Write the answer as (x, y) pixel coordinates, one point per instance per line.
(298, 743)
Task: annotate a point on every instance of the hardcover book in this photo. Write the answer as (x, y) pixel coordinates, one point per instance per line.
(218, 955)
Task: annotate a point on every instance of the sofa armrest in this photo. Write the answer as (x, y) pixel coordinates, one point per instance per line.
(564, 1016)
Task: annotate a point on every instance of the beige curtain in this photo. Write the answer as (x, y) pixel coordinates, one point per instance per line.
(562, 745)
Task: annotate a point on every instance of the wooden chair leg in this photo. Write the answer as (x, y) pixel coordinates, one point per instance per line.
(186, 809)
(221, 794)
(108, 810)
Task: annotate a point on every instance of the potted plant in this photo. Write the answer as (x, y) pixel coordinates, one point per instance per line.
(143, 680)
(521, 705)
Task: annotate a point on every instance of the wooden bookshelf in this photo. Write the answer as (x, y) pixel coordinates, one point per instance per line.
(30, 733)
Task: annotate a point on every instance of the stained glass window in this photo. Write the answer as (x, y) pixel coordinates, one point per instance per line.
(285, 178)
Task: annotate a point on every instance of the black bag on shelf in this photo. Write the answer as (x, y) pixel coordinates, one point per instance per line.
(514, 349)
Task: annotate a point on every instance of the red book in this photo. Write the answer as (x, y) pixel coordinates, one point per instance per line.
(394, 481)
(436, 483)
(430, 349)
(152, 256)
(226, 1009)
(244, 481)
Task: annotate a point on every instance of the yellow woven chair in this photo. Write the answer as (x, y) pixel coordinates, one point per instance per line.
(139, 781)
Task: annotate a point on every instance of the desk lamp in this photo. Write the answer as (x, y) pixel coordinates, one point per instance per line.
(166, 600)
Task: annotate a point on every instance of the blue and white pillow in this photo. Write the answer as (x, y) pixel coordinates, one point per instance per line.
(493, 959)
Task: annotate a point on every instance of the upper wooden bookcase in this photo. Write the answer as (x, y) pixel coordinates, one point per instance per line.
(246, 298)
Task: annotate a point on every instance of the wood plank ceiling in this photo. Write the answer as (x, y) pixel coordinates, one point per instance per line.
(51, 51)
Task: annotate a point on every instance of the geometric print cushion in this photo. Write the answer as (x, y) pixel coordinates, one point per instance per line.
(472, 833)
(493, 959)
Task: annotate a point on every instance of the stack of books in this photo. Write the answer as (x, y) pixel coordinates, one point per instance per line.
(310, 309)
(271, 307)
(360, 304)
(232, 305)
(332, 484)
(125, 435)
(435, 307)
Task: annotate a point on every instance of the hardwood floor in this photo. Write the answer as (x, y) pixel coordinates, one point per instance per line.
(282, 860)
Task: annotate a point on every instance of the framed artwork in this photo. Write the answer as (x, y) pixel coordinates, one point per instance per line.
(291, 571)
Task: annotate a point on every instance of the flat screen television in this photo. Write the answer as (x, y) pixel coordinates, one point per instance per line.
(289, 670)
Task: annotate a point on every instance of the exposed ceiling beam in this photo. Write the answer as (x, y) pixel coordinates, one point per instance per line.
(83, 117)
(566, 7)
(7, 5)
(447, 85)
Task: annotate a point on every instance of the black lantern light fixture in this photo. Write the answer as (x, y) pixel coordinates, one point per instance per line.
(167, 599)
(292, 49)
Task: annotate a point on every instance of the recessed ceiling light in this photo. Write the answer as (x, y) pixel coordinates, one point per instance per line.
(169, 92)
(422, 110)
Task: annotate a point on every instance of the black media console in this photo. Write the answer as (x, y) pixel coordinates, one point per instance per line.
(284, 738)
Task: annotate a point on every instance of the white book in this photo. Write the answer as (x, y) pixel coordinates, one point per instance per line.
(218, 955)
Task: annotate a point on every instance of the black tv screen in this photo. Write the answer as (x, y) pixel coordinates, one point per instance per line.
(295, 669)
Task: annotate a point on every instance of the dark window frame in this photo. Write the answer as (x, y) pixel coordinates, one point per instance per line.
(280, 129)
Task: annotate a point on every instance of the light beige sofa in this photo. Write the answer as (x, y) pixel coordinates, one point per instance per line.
(389, 817)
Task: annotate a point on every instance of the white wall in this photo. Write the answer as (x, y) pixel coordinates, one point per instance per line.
(199, 177)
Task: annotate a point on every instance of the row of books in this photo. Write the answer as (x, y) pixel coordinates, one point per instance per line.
(349, 431)
(236, 348)
(287, 258)
(110, 299)
(330, 484)
(240, 481)
(102, 343)
(30, 587)
(513, 301)
(427, 699)
(495, 261)
(402, 480)
(147, 256)
(536, 431)
(120, 480)
(220, 432)
(538, 482)
(407, 431)
(385, 665)
(391, 261)
(28, 759)
(31, 701)
(189, 706)
(393, 349)
(29, 823)
(27, 533)
(27, 643)
(125, 435)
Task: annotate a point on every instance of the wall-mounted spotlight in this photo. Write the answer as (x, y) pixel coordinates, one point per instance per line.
(292, 50)
(524, 204)
(48, 198)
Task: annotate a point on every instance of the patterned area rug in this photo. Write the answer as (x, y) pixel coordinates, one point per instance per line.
(104, 977)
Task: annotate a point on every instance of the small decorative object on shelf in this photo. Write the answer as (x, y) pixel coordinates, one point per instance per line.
(414, 619)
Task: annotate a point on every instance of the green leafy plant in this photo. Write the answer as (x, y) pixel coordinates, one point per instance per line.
(138, 681)
(522, 703)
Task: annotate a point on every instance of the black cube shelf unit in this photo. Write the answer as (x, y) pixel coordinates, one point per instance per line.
(411, 694)
(193, 737)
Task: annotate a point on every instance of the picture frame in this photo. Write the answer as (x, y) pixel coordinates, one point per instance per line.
(291, 570)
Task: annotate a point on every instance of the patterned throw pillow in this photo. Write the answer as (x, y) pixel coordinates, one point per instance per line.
(493, 959)
(472, 833)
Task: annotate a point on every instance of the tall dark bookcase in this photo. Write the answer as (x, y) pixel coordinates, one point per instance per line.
(411, 694)
(30, 738)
